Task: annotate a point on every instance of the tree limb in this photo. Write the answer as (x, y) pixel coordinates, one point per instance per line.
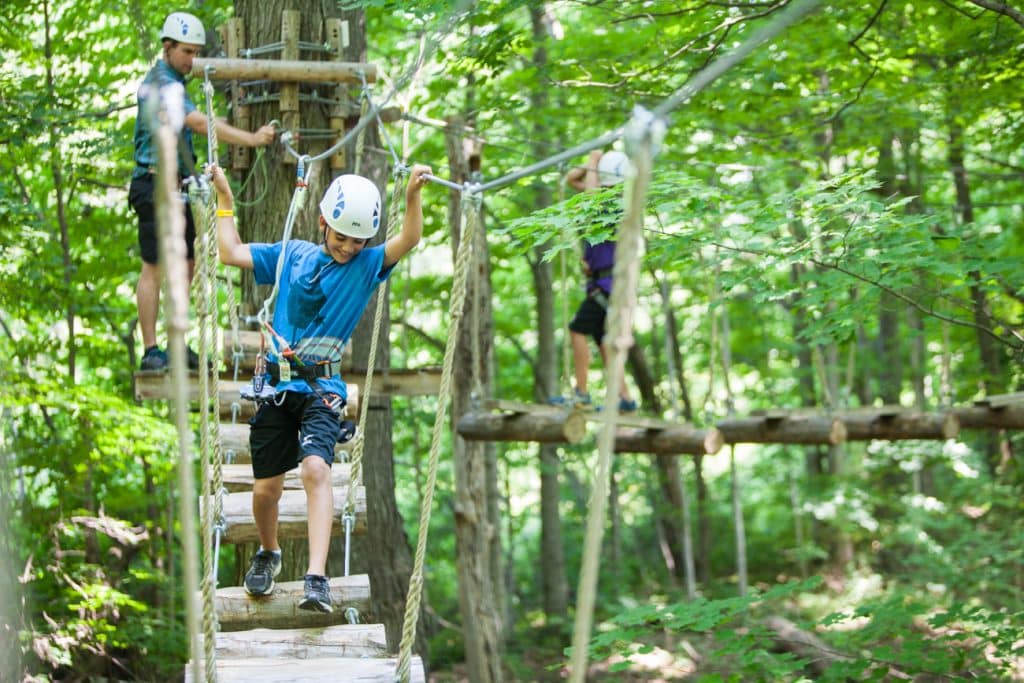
(1001, 8)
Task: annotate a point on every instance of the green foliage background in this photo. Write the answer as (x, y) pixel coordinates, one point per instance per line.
(813, 184)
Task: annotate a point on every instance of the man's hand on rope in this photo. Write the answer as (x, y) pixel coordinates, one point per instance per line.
(263, 136)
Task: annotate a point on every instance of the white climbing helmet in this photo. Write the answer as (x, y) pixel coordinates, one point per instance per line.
(351, 206)
(182, 27)
(612, 168)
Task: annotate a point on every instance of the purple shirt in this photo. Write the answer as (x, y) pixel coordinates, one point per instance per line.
(600, 258)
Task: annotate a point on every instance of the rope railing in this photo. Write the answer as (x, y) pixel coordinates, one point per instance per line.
(471, 208)
(165, 120)
(356, 457)
(645, 135)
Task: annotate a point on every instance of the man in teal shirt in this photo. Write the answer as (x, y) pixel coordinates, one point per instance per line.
(183, 36)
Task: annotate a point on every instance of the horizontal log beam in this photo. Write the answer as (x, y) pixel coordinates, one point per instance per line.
(237, 610)
(676, 440)
(156, 386)
(238, 477)
(1002, 400)
(343, 640)
(291, 515)
(283, 71)
(866, 425)
(541, 425)
(990, 417)
(792, 429)
(276, 669)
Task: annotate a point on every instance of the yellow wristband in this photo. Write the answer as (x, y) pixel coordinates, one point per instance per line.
(225, 213)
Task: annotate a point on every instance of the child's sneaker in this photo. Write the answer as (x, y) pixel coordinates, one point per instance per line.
(627, 405)
(581, 398)
(317, 596)
(259, 580)
(155, 359)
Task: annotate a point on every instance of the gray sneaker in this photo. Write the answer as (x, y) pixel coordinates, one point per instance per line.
(317, 597)
(259, 580)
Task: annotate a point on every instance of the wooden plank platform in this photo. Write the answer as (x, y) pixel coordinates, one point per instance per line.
(237, 610)
(344, 640)
(241, 528)
(238, 477)
(323, 670)
(155, 386)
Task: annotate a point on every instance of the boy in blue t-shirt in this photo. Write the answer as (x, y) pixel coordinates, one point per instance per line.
(322, 292)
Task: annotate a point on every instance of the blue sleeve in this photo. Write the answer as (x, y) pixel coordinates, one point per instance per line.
(264, 261)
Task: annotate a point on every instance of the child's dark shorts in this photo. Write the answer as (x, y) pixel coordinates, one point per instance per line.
(589, 319)
(140, 196)
(289, 428)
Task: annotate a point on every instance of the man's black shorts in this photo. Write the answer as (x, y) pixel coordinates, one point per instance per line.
(140, 196)
(589, 319)
(289, 428)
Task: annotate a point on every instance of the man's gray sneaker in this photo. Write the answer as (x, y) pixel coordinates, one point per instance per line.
(318, 595)
(259, 580)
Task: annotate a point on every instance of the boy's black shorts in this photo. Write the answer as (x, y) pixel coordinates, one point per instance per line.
(140, 196)
(289, 428)
(589, 319)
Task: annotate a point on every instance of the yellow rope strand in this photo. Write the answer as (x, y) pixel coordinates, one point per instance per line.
(471, 208)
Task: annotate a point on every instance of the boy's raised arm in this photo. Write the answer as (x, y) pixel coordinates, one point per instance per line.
(412, 226)
(230, 248)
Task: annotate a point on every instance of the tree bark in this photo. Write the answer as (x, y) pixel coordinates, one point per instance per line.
(554, 582)
(477, 541)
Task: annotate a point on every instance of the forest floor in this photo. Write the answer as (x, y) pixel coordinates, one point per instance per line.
(657, 666)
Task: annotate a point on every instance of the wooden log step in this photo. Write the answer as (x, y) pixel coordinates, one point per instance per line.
(990, 417)
(155, 386)
(790, 428)
(326, 669)
(344, 640)
(234, 439)
(522, 422)
(241, 528)
(867, 425)
(237, 610)
(675, 440)
(386, 381)
(284, 70)
(238, 477)
(1002, 400)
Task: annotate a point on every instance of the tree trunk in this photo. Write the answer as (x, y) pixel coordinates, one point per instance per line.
(888, 359)
(991, 361)
(554, 583)
(264, 221)
(703, 522)
(477, 541)
(386, 544)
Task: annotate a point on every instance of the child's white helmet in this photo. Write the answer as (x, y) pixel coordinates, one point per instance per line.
(183, 27)
(351, 206)
(612, 168)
